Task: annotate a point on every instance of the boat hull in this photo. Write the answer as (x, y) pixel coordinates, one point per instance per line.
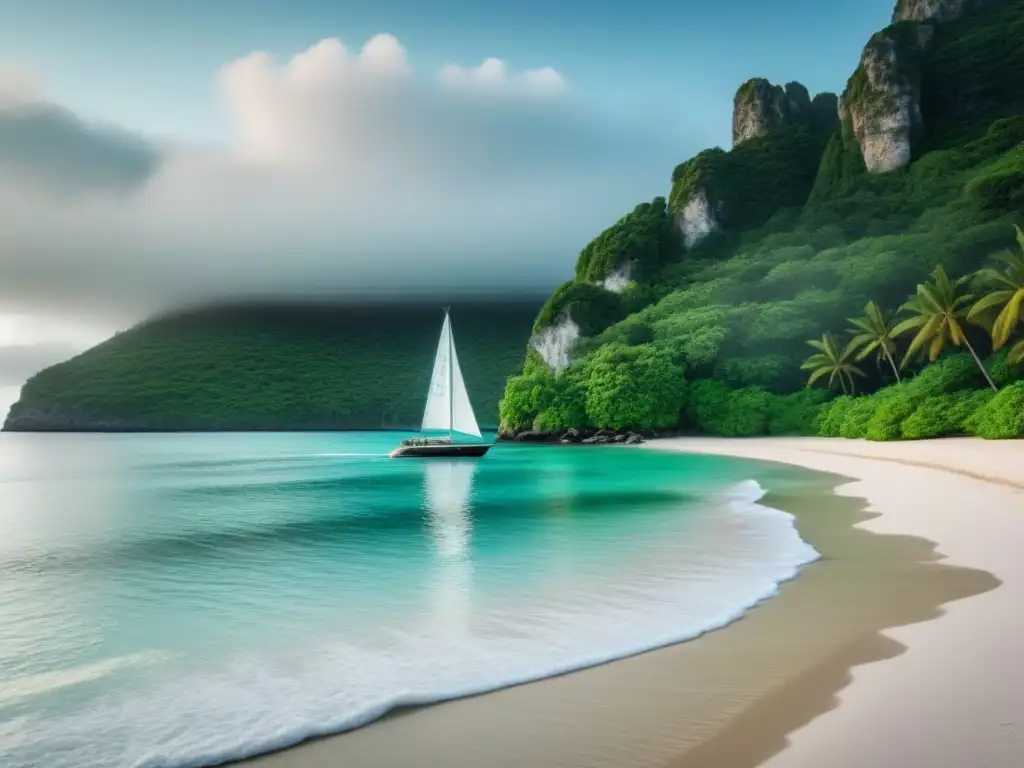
(469, 451)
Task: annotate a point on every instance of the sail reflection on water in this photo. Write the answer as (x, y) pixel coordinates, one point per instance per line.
(447, 488)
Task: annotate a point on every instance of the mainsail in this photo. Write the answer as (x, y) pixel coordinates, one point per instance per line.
(448, 408)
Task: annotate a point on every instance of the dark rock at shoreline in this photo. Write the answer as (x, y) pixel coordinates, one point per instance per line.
(530, 436)
(572, 435)
(577, 436)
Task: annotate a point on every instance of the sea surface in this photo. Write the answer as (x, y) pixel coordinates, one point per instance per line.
(183, 600)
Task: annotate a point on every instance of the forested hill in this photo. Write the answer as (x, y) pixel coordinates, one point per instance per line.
(275, 366)
(695, 310)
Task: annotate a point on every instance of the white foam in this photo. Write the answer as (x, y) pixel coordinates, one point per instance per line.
(675, 590)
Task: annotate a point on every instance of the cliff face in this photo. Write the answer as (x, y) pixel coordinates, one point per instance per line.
(760, 108)
(931, 10)
(882, 100)
(778, 134)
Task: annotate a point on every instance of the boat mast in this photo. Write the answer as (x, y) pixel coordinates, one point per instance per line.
(451, 378)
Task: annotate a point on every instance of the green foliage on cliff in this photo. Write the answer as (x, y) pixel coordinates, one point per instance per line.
(641, 242)
(277, 367)
(734, 313)
(754, 180)
(591, 307)
(971, 74)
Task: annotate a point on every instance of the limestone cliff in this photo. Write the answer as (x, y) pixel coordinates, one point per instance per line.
(779, 134)
(882, 100)
(931, 10)
(760, 107)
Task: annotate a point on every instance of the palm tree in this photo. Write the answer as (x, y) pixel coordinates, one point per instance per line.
(1009, 296)
(833, 362)
(873, 333)
(937, 314)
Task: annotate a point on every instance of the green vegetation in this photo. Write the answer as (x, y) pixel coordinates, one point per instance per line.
(809, 243)
(873, 333)
(834, 362)
(756, 179)
(276, 367)
(938, 314)
(1008, 298)
(642, 241)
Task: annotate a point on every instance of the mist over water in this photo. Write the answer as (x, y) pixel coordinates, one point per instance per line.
(178, 600)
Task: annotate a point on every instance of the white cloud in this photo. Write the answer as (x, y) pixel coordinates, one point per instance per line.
(493, 73)
(345, 174)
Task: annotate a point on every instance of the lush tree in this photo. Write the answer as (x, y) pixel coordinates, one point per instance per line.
(833, 362)
(873, 333)
(937, 316)
(544, 400)
(640, 387)
(524, 396)
(1008, 296)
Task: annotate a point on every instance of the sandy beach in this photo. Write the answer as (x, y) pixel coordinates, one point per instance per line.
(900, 647)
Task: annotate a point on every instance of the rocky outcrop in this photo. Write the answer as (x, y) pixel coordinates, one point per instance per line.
(779, 134)
(882, 100)
(740, 189)
(573, 436)
(931, 10)
(760, 108)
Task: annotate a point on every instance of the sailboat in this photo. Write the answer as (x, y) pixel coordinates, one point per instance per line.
(448, 409)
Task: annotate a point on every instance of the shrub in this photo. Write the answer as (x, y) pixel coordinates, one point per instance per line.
(796, 414)
(832, 415)
(1003, 416)
(1001, 371)
(718, 410)
(855, 421)
(935, 417)
(952, 373)
(894, 406)
(970, 407)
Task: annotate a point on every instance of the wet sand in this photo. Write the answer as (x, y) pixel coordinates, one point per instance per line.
(736, 696)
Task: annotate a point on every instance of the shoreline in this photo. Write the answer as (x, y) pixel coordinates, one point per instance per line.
(951, 690)
(741, 717)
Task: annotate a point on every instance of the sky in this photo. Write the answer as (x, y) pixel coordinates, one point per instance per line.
(165, 153)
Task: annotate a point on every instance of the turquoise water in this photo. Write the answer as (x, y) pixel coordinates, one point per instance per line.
(180, 600)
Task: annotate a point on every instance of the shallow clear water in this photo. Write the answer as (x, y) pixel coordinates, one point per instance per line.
(178, 600)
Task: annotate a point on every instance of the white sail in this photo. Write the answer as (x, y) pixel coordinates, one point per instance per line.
(448, 408)
(463, 419)
(438, 413)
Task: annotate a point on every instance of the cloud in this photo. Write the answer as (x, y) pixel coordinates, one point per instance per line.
(42, 145)
(493, 73)
(344, 173)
